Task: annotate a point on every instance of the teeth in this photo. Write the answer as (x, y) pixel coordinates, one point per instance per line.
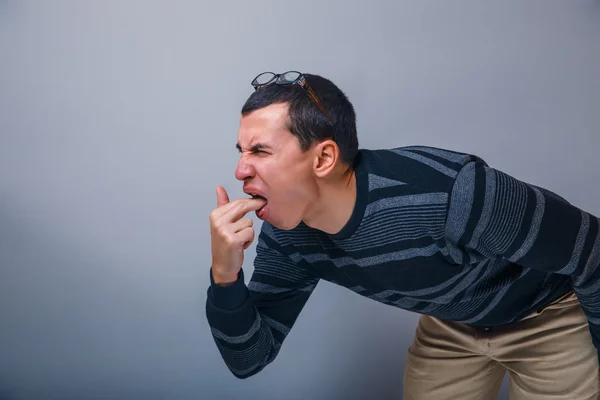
(255, 196)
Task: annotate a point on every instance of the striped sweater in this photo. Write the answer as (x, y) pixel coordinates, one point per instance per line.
(433, 231)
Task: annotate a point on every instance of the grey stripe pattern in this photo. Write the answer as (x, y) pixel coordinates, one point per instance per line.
(398, 255)
(540, 205)
(408, 200)
(260, 287)
(272, 263)
(375, 260)
(448, 155)
(409, 227)
(592, 264)
(434, 289)
(250, 357)
(406, 302)
(590, 289)
(357, 289)
(462, 285)
(510, 205)
(494, 301)
(237, 339)
(243, 372)
(378, 182)
(427, 161)
(479, 291)
(462, 200)
(284, 270)
(579, 243)
(264, 288)
(267, 230)
(488, 207)
(276, 325)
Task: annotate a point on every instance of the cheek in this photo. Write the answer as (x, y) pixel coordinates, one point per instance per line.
(290, 184)
(298, 189)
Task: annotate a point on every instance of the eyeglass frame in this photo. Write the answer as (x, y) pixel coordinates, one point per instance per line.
(301, 81)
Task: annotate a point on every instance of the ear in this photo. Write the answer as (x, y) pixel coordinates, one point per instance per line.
(327, 154)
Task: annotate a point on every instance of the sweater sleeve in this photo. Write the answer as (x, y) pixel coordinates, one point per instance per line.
(492, 214)
(249, 323)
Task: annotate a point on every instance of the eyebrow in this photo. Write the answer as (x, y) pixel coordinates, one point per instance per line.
(254, 147)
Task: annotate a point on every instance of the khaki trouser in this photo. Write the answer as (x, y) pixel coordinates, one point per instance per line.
(548, 355)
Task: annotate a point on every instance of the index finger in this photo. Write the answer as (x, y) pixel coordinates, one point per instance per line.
(236, 209)
(222, 197)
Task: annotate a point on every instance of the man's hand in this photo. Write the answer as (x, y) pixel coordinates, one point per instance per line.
(230, 235)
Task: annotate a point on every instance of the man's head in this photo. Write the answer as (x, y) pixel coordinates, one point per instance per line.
(289, 148)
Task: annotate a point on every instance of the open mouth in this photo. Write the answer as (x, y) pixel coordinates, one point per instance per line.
(263, 211)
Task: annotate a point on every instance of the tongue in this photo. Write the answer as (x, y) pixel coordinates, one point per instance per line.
(264, 205)
(262, 212)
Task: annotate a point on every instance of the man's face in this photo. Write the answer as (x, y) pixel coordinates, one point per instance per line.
(272, 165)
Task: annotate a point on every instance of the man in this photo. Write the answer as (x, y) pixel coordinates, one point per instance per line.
(505, 274)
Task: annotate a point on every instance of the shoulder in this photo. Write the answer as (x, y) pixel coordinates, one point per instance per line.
(425, 168)
(447, 160)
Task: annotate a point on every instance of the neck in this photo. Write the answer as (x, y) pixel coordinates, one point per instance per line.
(334, 205)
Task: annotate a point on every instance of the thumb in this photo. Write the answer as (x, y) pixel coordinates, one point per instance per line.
(222, 197)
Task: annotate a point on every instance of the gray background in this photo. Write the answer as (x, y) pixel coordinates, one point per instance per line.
(118, 118)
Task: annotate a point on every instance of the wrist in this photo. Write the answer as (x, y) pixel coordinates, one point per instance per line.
(228, 297)
(224, 279)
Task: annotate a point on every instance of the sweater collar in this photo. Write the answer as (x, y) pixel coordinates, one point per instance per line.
(362, 192)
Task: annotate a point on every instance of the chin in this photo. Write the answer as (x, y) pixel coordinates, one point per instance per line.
(285, 225)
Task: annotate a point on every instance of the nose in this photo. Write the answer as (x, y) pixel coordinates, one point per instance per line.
(244, 169)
